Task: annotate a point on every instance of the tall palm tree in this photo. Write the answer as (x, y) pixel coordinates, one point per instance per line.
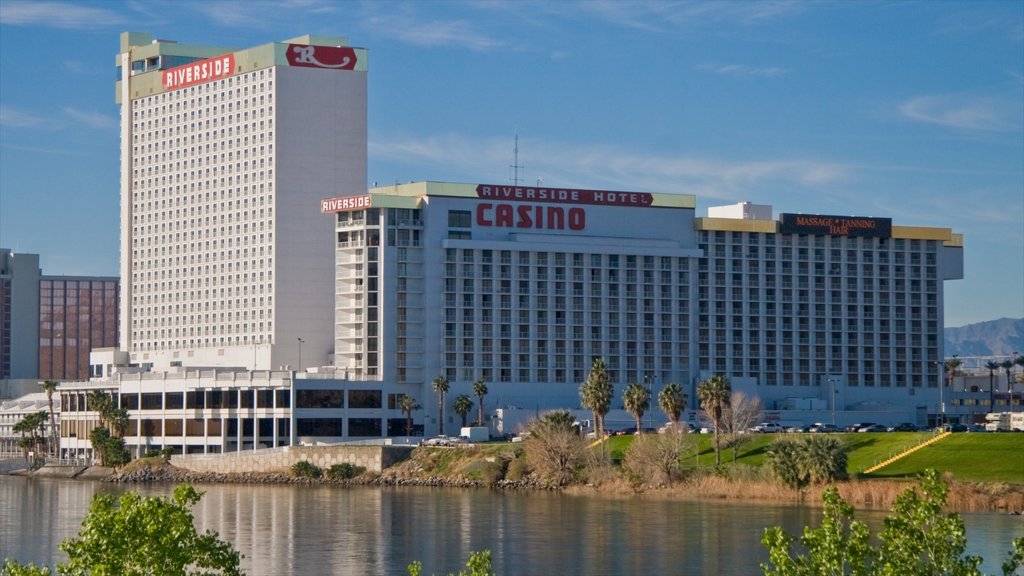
(50, 386)
(672, 402)
(952, 367)
(1008, 366)
(637, 400)
(463, 405)
(992, 366)
(408, 405)
(714, 394)
(1019, 361)
(101, 403)
(596, 393)
(480, 389)
(440, 385)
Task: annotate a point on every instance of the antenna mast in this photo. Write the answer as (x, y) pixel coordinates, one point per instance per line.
(514, 167)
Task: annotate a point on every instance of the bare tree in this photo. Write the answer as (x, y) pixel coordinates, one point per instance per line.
(742, 413)
(659, 457)
(554, 449)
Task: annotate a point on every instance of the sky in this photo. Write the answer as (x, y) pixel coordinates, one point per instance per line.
(908, 110)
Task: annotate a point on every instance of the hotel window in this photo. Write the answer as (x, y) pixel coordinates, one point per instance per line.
(459, 219)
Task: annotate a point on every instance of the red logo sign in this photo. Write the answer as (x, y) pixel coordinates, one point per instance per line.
(334, 57)
(345, 204)
(527, 216)
(564, 196)
(199, 72)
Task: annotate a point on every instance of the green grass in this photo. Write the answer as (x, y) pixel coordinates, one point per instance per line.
(981, 457)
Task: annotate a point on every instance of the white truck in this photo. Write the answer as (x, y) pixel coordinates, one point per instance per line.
(1004, 422)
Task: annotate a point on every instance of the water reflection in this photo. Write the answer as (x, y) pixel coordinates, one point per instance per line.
(359, 531)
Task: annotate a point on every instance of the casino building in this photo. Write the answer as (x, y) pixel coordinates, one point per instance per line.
(251, 318)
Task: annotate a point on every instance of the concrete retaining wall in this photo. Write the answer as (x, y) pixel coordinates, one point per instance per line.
(373, 458)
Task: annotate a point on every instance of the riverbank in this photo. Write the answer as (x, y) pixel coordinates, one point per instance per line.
(868, 494)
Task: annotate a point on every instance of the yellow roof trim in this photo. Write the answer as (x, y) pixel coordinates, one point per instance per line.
(956, 242)
(921, 233)
(735, 225)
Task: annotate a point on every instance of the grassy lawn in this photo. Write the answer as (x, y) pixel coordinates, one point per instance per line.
(982, 457)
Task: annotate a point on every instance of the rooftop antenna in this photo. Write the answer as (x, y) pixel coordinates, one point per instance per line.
(514, 167)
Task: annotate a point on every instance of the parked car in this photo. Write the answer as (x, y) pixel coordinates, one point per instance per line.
(767, 428)
(954, 427)
(439, 441)
(819, 427)
(856, 427)
(873, 428)
(903, 427)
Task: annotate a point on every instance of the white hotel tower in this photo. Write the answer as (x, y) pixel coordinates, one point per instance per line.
(225, 155)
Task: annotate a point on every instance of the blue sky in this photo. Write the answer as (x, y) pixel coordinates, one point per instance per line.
(908, 110)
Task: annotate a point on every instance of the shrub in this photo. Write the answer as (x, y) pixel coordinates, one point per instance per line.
(306, 469)
(518, 469)
(344, 471)
(658, 458)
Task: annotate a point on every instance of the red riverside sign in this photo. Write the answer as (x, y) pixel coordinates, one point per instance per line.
(334, 57)
(564, 195)
(527, 216)
(345, 204)
(199, 72)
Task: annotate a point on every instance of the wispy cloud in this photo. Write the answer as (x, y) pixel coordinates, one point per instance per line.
(406, 27)
(91, 119)
(742, 70)
(661, 15)
(16, 118)
(58, 15)
(609, 166)
(990, 113)
(249, 14)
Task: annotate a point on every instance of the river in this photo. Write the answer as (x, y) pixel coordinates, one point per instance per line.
(334, 530)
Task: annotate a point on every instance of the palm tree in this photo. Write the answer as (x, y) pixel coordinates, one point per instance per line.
(463, 406)
(1008, 366)
(440, 385)
(672, 402)
(823, 458)
(637, 400)
(1019, 361)
(952, 367)
(480, 389)
(32, 423)
(596, 394)
(50, 386)
(714, 394)
(992, 366)
(408, 405)
(100, 402)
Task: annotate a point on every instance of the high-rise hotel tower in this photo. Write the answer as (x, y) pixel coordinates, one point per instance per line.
(225, 155)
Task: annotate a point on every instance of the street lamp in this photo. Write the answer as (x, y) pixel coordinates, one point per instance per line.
(835, 392)
(942, 403)
(650, 392)
(301, 341)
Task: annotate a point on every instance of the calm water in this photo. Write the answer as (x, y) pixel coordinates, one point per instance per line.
(360, 531)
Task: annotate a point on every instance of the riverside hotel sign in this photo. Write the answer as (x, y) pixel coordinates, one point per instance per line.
(835, 225)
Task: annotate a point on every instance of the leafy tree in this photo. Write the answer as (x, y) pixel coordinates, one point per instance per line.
(50, 386)
(596, 393)
(714, 395)
(917, 540)
(463, 405)
(408, 405)
(143, 536)
(480, 389)
(111, 449)
(554, 448)
(637, 400)
(672, 402)
(479, 564)
(441, 387)
(13, 568)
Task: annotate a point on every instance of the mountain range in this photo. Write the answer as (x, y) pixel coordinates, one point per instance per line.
(1001, 337)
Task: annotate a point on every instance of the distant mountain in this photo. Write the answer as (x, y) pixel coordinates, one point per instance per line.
(993, 338)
